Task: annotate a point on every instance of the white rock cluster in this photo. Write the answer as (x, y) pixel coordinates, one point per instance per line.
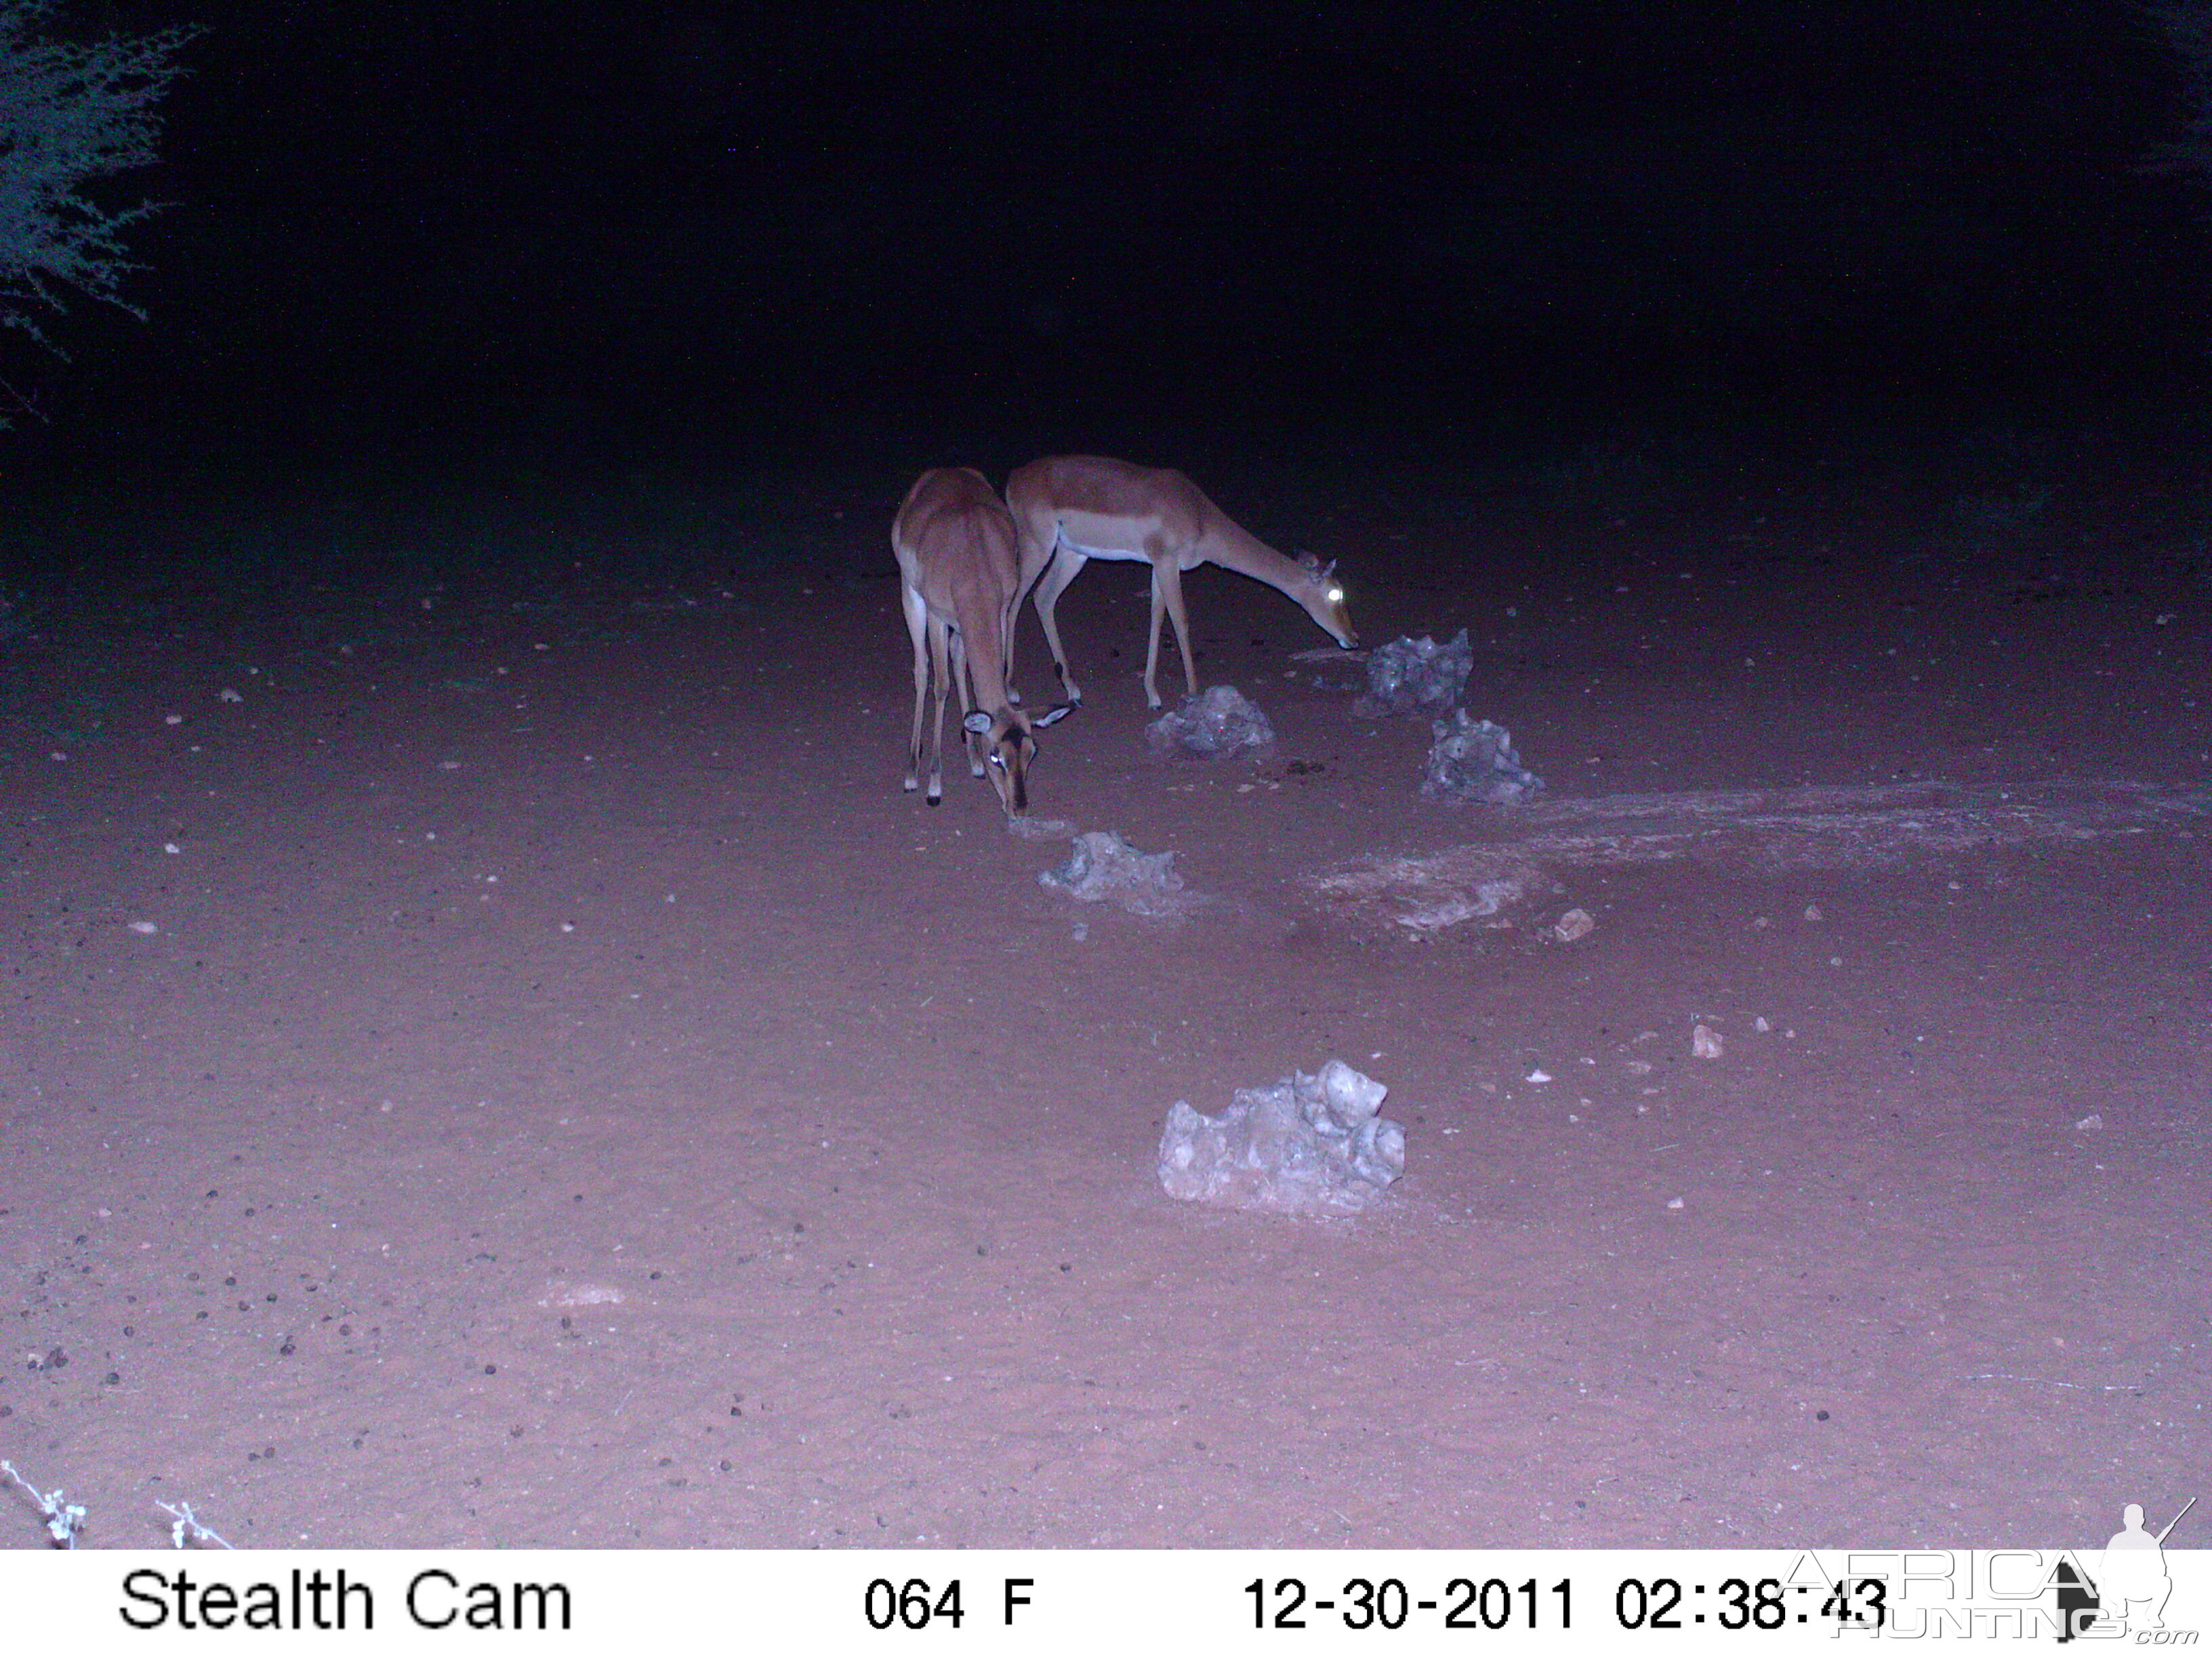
(1219, 722)
(1309, 1146)
(1473, 762)
(1104, 869)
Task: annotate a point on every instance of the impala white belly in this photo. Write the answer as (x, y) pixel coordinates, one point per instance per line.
(1137, 553)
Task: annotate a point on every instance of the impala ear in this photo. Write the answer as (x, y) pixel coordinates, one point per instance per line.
(976, 722)
(1058, 712)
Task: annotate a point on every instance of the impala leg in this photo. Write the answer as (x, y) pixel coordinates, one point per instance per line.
(917, 626)
(1006, 625)
(1061, 572)
(962, 677)
(1167, 585)
(938, 653)
(1032, 554)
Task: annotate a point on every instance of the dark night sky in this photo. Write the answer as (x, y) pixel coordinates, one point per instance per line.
(502, 228)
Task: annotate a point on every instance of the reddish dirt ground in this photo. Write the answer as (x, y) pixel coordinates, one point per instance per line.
(574, 1097)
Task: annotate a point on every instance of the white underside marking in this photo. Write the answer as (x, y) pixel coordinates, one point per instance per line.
(1135, 554)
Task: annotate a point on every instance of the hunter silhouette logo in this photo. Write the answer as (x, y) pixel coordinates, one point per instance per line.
(2132, 1585)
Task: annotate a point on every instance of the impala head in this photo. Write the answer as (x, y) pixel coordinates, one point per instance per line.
(1008, 749)
(1324, 601)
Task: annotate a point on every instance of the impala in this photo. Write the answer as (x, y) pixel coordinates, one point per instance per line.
(958, 575)
(1074, 509)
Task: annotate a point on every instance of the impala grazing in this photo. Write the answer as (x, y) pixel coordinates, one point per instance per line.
(1073, 509)
(959, 572)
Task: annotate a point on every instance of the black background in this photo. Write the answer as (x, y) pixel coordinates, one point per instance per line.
(615, 232)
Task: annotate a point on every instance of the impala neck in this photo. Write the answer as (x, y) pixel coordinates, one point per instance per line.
(1234, 548)
(987, 661)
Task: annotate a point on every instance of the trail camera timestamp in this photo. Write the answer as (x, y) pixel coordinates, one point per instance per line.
(1468, 1603)
(1465, 1603)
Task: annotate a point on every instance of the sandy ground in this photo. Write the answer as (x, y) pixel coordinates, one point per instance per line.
(574, 1097)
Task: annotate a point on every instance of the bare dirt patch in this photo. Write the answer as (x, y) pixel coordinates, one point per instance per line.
(572, 1096)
